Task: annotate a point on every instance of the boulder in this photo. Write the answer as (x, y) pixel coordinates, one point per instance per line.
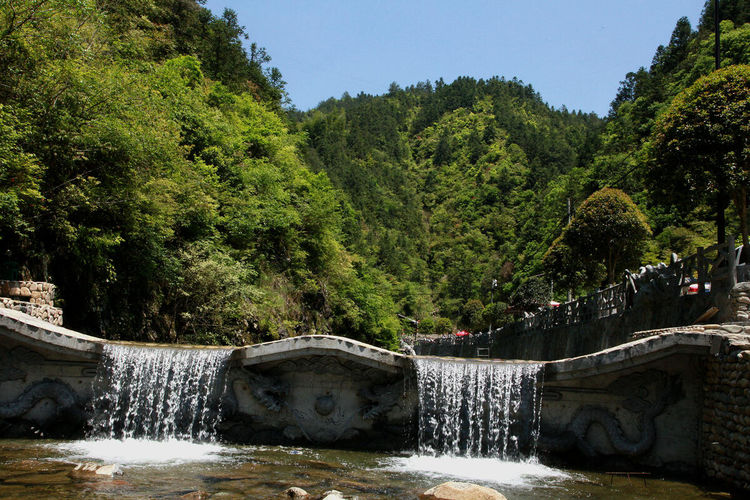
(453, 490)
(295, 492)
(333, 495)
(195, 495)
(92, 469)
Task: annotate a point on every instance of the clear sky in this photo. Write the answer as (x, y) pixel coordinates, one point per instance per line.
(573, 52)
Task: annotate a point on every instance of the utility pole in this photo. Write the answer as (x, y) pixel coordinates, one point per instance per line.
(492, 300)
(570, 291)
(721, 197)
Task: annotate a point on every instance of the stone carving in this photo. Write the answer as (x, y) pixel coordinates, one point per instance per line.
(324, 405)
(67, 412)
(634, 388)
(329, 365)
(268, 391)
(649, 284)
(12, 362)
(317, 429)
(380, 399)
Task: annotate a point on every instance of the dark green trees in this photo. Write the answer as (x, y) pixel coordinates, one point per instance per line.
(700, 147)
(607, 229)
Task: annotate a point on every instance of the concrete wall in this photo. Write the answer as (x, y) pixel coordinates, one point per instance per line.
(655, 310)
(46, 375)
(319, 390)
(311, 390)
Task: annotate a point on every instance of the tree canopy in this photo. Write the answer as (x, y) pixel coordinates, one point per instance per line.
(608, 228)
(149, 166)
(701, 145)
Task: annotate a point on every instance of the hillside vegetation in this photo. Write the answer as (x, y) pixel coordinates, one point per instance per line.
(151, 168)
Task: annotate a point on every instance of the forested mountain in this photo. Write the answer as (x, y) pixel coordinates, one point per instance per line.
(490, 169)
(647, 93)
(456, 185)
(149, 166)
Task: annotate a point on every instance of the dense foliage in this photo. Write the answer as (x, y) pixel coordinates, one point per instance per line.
(149, 168)
(148, 172)
(455, 185)
(701, 145)
(608, 230)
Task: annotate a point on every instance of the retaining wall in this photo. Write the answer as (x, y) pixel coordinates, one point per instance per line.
(655, 310)
(725, 435)
(34, 292)
(35, 298)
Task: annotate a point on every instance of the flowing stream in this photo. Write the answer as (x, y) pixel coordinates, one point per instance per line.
(478, 409)
(156, 411)
(158, 393)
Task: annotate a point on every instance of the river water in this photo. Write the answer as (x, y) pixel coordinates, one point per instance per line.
(169, 469)
(155, 412)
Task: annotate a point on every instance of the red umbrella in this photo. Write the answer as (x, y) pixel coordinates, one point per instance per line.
(462, 333)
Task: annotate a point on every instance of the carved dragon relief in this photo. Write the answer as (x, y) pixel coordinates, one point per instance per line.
(646, 394)
(326, 420)
(14, 362)
(380, 399)
(268, 391)
(68, 412)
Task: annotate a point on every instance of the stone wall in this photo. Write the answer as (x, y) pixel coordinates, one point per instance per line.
(726, 415)
(739, 299)
(50, 314)
(655, 311)
(34, 292)
(35, 298)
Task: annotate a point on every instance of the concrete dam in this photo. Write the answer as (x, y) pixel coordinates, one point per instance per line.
(671, 399)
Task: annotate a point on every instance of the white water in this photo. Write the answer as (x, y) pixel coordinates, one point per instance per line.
(144, 451)
(155, 393)
(483, 470)
(477, 409)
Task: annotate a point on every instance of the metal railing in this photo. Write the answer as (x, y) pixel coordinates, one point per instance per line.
(706, 268)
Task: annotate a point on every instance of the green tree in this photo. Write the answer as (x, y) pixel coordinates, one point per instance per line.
(443, 326)
(472, 315)
(701, 145)
(531, 294)
(608, 228)
(568, 268)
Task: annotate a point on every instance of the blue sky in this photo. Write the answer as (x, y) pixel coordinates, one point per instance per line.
(573, 52)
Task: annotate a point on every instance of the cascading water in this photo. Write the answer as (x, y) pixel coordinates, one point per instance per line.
(478, 409)
(158, 393)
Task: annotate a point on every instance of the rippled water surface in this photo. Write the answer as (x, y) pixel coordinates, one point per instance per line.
(40, 469)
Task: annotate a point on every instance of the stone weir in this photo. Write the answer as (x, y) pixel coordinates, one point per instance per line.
(319, 390)
(675, 399)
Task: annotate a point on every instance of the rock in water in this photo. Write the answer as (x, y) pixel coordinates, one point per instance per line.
(453, 490)
(195, 495)
(332, 495)
(295, 492)
(92, 469)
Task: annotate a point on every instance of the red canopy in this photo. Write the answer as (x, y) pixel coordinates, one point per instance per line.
(462, 333)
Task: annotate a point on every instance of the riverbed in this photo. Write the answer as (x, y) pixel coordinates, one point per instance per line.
(170, 469)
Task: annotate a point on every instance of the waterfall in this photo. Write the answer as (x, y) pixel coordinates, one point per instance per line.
(477, 409)
(158, 393)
